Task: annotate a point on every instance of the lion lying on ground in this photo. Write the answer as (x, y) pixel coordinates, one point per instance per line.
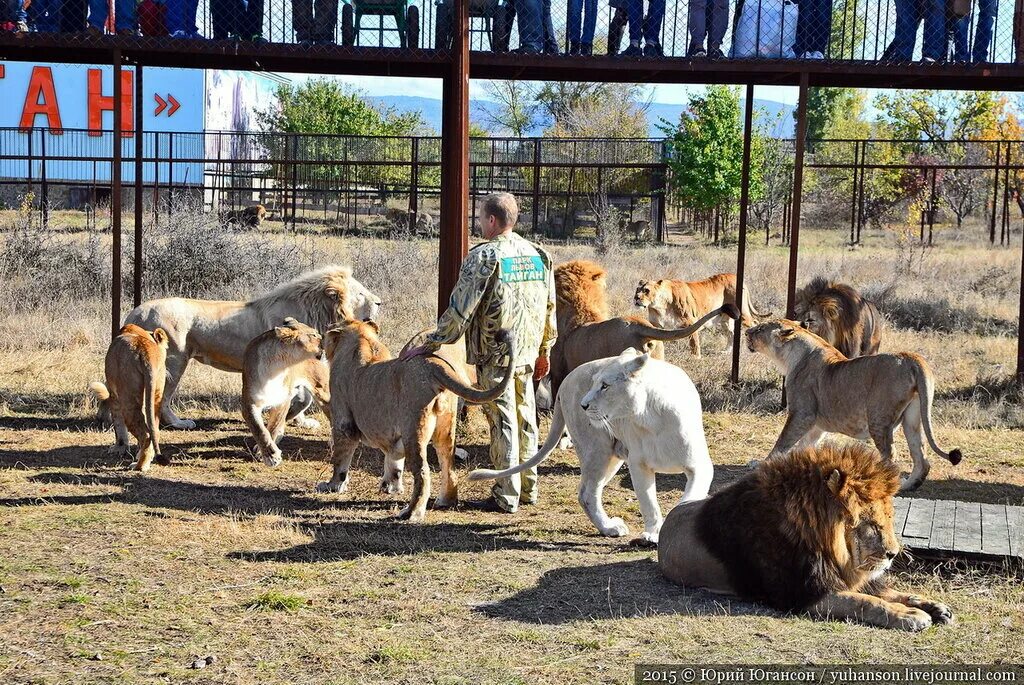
(277, 365)
(397, 406)
(672, 304)
(251, 217)
(863, 397)
(217, 332)
(811, 531)
(629, 408)
(837, 313)
(585, 331)
(131, 397)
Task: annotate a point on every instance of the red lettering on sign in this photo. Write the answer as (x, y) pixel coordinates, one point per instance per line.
(41, 98)
(100, 103)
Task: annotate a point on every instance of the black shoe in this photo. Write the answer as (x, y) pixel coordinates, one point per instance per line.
(696, 53)
(525, 50)
(586, 49)
(489, 505)
(653, 50)
(552, 49)
(574, 49)
(716, 53)
(632, 51)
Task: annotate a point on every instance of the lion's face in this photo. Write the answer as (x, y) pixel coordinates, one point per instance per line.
(364, 305)
(354, 339)
(614, 390)
(821, 318)
(304, 337)
(645, 293)
(872, 541)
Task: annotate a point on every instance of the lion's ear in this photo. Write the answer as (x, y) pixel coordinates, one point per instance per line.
(160, 335)
(635, 365)
(372, 324)
(835, 481)
(786, 332)
(290, 322)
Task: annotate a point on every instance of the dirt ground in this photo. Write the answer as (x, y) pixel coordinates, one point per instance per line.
(107, 576)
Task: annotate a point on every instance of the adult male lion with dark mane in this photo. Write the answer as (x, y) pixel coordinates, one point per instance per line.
(809, 532)
(863, 397)
(839, 314)
(671, 303)
(587, 332)
(216, 332)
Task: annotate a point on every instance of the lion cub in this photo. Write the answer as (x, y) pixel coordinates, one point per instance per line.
(397, 406)
(277, 364)
(131, 397)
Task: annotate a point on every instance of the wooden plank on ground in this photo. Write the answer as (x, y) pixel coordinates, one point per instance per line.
(919, 519)
(995, 534)
(901, 506)
(1015, 530)
(943, 519)
(967, 531)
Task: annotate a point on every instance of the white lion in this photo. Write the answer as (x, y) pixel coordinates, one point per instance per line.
(628, 408)
(216, 332)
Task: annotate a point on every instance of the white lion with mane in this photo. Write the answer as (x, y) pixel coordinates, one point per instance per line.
(630, 408)
(216, 332)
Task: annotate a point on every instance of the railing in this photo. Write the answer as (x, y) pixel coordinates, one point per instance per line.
(562, 184)
(891, 31)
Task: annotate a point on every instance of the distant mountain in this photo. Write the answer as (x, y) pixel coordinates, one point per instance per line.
(775, 118)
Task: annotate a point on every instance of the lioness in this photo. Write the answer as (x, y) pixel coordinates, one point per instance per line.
(863, 397)
(585, 331)
(277, 364)
(671, 303)
(811, 531)
(837, 313)
(396, 406)
(134, 371)
(216, 332)
(629, 408)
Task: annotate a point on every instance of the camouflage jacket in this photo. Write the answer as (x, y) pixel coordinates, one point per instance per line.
(507, 282)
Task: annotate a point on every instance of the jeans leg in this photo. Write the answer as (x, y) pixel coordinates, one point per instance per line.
(302, 19)
(572, 21)
(124, 18)
(97, 13)
(635, 16)
(987, 10)
(696, 23)
(719, 23)
(908, 17)
(935, 43)
(253, 24)
(550, 40)
(531, 31)
(653, 21)
(821, 29)
(589, 22)
(961, 38)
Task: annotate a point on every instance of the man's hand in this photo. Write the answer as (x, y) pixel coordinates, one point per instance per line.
(415, 352)
(541, 368)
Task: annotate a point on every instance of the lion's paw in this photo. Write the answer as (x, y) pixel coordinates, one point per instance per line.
(391, 487)
(616, 528)
(273, 459)
(914, 620)
(411, 515)
(307, 423)
(332, 487)
(940, 613)
(182, 424)
(117, 450)
(645, 539)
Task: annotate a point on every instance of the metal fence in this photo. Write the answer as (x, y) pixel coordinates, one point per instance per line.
(565, 186)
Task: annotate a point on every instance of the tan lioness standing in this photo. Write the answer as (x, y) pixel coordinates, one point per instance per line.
(131, 397)
(676, 304)
(397, 406)
(276, 366)
(863, 397)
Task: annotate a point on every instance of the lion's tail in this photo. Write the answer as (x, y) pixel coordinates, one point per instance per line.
(554, 435)
(925, 394)
(654, 333)
(448, 381)
(748, 307)
(150, 410)
(102, 395)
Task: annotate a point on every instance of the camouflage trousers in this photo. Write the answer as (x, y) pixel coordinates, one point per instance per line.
(513, 421)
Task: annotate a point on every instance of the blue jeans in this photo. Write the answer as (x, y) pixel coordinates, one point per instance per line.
(813, 26)
(124, 14)
(181, 16)
(987, 10)
(536, 30)
(935, 42)
(908, 18)
(44, 15)
(587, 10)
(650, 28)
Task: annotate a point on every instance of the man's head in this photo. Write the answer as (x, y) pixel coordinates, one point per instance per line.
(498, 214)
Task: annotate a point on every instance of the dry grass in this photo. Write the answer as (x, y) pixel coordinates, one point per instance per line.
(218, 555)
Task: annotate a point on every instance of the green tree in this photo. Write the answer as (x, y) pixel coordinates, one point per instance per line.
(705, 151)
(823, 106)
(607, 110)
(933, 115)
(516, 110)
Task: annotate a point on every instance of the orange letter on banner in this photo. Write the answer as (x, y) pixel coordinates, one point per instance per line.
(40, 86)
(100, 103)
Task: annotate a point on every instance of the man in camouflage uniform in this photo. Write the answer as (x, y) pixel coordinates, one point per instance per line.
(506, 282)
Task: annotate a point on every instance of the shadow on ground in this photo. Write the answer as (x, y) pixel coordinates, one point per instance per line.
(625, 589)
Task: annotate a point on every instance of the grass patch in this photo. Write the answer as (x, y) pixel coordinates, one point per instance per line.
(273, 600)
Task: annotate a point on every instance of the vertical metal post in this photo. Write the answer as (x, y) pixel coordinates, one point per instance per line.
(170, 174)
(137, 273)
(853, 197)
(454, 158)
(1020, 322)
(741, 253)
(156, 179)
(995, 196)
(536, 184)
(115, 204)
(295, 178)
(798, 186)
(44, 198)
(414, 180)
